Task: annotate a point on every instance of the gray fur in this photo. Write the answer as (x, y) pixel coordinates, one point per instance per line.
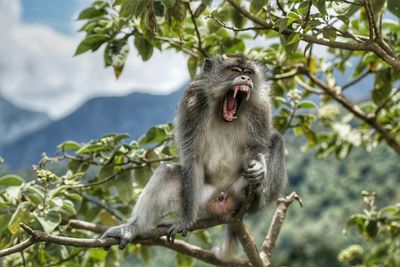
(216, 155)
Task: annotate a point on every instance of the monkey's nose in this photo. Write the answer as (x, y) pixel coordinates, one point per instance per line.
(245, 78)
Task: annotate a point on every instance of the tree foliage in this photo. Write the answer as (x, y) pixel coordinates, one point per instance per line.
(316, 54)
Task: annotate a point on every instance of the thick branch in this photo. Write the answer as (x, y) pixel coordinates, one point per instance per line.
(155, 237)
(248, 243)
(196, 252)
(276, 225)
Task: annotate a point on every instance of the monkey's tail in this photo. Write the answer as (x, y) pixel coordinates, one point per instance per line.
(228, 248)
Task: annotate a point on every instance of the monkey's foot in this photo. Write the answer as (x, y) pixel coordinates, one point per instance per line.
(177, 227)
(124, 232)
(254, 174)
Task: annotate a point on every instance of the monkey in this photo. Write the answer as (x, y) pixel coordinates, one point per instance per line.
(226, 142)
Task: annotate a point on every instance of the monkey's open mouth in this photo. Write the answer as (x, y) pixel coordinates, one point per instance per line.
(233, 99)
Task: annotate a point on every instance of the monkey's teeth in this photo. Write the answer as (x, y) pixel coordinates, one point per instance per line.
(248, 96)
(236, 91)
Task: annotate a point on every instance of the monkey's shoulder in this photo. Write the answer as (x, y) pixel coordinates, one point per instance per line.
(194, 98)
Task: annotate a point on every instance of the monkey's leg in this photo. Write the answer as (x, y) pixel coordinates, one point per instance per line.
(162, 194)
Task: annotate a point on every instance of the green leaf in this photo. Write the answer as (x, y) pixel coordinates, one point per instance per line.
(90, 13)
(69, 145)
(21, 214)
(307, 104)
(292, 17)
(115, 55)
(142, 175)
(257, 5)
(394, 7)
(204, 236)
(123, 184)
(144, 47)
(154, 135)
(282, 24)
(293, 38)
(133, 8)
(192, 66)
(182, 260)
(91, 42)
(237, 19)
(329, 33)
(89, 148)
(383, 86)
(371, 229)
(98, 254)
(11, 180)
(340, 7)
(321, 6)
(69, 207)
(49, 221)
(168, 3)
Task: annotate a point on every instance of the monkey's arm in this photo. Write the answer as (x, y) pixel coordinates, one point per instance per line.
(269, 173)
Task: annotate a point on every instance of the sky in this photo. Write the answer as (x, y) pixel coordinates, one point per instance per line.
(38, 70)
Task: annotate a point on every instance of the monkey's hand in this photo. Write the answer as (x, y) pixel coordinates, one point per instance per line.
(124, 232)
(255, 172)
(177, 227)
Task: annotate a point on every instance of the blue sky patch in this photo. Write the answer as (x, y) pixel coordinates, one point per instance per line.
(58, 14)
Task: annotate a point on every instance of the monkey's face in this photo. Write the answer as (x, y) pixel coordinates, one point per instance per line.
(234, 82)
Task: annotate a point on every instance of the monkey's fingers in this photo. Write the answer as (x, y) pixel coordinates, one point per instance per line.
(165, 224)
(171, 235)
(253, 174)
(123, 242)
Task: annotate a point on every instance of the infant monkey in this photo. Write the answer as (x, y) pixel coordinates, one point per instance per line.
(225, 138)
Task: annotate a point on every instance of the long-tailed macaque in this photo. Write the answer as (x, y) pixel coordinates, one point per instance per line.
(226, 142)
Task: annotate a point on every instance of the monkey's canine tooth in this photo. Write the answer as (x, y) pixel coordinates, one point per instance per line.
(236, 91)
(248, 96)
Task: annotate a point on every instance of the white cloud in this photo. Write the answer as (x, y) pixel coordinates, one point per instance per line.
(37, 69)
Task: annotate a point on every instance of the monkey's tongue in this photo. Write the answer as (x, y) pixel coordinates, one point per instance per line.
(230, 107)
(231, 101)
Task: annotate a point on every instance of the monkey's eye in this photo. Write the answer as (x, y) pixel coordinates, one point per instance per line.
(236, 69)
(248, 71)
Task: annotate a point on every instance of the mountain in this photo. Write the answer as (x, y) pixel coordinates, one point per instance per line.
(16, 122)
(132, 114)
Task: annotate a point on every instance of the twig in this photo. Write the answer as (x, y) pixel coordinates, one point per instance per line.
(374, 32)
(118, 215)
(384, 103)
(176, 44)
(278, 3)
(275, 227)
(107, 179)
(232, 28)
(356, 80)
(199, 41)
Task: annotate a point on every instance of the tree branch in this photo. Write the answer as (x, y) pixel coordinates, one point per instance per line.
(199, 41)
(371, 120)
(248, 243)
(155, 237)
(276, 225)
(368, 45)
(356, 80)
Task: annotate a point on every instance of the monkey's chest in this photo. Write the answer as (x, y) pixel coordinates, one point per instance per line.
(222, 161)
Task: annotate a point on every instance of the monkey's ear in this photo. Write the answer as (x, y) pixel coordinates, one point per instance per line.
(207, 65)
